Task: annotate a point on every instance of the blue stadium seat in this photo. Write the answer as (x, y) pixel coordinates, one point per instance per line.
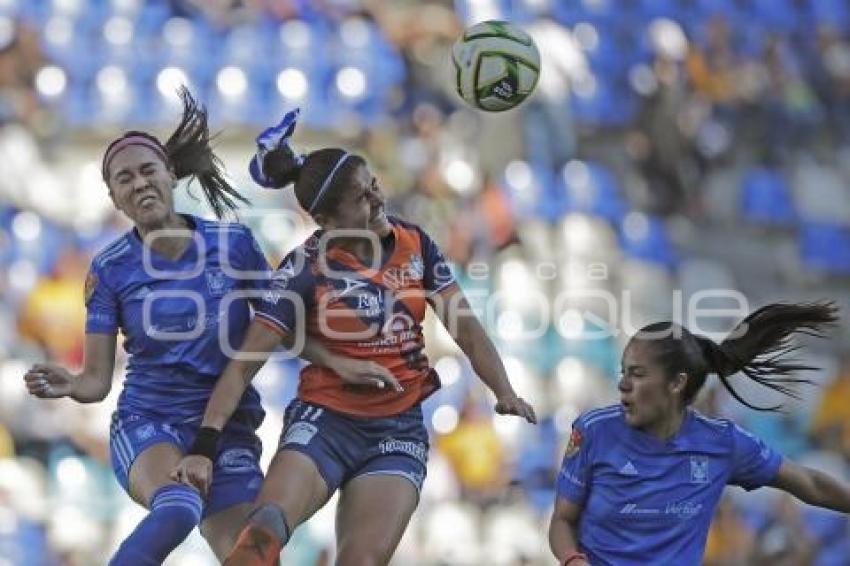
(781, 15)
(765, 198)
(651, 9)
(539, 197)
(829, 529)
(609, 104)
(833, 12)
(645, 237)
(198, 56)
(251, 48)
(151, 16)
(598, 194)
(534, 465)
(825, 248)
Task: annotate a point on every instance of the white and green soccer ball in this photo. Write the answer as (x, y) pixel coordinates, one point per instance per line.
(496, 65)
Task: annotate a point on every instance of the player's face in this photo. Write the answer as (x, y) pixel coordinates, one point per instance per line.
(141, 185)
(362, 206)
(647, 395)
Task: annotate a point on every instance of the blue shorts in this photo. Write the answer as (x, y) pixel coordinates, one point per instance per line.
(237, 477)
(344, 447)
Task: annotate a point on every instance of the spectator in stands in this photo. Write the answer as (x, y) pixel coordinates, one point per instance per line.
(830, 426)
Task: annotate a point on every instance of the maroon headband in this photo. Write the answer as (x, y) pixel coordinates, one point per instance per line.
(124, 143)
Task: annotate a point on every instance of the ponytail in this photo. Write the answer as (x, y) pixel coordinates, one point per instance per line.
(761, 347)
(188, 153)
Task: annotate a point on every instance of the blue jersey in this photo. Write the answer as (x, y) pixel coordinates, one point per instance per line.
(647, 501)
(179, 318)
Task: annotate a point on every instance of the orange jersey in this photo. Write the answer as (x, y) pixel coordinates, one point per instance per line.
(372, 313)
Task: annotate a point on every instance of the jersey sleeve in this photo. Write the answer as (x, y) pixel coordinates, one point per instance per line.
(251, 260)
(437, 271)
(754, 464)
(102, 306)
(290, 294)
(573, 480)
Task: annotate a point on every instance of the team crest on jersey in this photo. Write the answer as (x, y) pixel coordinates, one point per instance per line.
(699, 469)
(574, 445)
(217, 282)
(91, 283)
(416, 267)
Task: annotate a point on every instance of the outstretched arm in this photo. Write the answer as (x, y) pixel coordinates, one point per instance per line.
(457, 316)
(813, 486)
(92, 384)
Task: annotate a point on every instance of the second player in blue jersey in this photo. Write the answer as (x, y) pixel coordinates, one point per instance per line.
(640, 480)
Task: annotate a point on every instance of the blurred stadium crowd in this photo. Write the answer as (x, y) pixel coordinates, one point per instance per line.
(673, 147)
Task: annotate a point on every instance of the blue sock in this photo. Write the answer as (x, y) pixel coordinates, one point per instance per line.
(175, 511)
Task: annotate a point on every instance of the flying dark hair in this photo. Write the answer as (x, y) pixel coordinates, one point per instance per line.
(760, 347)
(320, 180)
(188, 153)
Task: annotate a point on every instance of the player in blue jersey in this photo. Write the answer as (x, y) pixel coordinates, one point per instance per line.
(171, 286)
(640, 480)
(366, 303)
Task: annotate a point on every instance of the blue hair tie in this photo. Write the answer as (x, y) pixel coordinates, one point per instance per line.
(272, 138)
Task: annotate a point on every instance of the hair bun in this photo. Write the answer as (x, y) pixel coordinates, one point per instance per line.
(281, 166)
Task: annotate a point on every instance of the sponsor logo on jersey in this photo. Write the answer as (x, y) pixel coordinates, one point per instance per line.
(699, 469)
(237, 461)
(416, 450)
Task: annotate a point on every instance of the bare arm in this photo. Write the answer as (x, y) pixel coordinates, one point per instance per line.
(259, 342)
(455, 313)
(563, 530)
(92, 384)
(813, 486)
(350, 370)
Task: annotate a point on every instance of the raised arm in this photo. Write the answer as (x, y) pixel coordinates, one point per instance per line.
(92, 384)
(813, 486)
(454, 311)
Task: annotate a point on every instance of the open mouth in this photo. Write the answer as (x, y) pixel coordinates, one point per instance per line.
(146, 201)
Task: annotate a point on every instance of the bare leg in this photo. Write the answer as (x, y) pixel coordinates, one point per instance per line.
(373, 513)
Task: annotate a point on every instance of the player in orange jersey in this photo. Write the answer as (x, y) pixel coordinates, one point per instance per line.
(360, 284)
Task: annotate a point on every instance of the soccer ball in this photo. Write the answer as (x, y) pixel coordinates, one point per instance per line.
(496, 65)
